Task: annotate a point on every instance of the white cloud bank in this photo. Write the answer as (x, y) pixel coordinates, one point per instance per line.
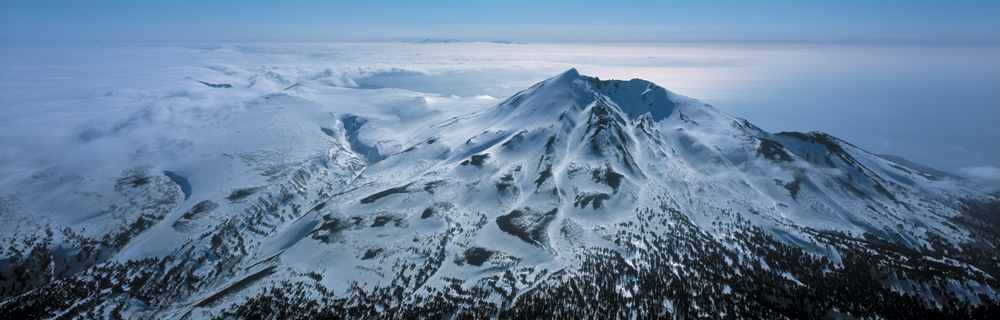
(55, 97)
(988, 174)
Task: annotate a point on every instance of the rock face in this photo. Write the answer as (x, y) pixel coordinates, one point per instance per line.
(574, 198)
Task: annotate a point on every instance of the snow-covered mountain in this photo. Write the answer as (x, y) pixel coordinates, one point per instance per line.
(573, 198)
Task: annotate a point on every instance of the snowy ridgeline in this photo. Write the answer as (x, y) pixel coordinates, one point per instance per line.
(235, 192)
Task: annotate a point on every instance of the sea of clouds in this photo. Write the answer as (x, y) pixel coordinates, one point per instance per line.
(78, 103)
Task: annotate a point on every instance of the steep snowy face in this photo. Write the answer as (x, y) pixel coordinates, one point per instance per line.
(637, 97)
(580, 115)
(577, 196)
(639, 136)
(569, 92)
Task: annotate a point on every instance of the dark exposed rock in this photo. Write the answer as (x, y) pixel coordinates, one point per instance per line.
(384, 193)
(542, 176)
(773, 150)
(527, 224)
(585, 198)
(608, 176)
(216, 85)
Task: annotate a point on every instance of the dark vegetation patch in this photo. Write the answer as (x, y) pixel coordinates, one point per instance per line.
(183, 226)
(133, 178)
(383, 220)
(236, 287)
(476, 160)
(384, 193)
(436, 209)
(527, 224)
(372, 253)
(329, 227)
(332, 227)
(431, 186)
(475, 256)
(685, 273)
(982, 218)
(427, 213)
(118, 240)
(585, 198)
(479, 159)
(239, 194)
(986, 210)
(315, 276)
(667, 265)
(507, 181)
(206, 207)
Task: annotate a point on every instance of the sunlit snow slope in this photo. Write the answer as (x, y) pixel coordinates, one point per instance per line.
(573, 198)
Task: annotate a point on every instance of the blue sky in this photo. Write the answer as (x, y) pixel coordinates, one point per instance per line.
(183, 21)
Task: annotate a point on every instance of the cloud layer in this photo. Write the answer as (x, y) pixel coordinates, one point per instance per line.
(988, 174)
(884, 99)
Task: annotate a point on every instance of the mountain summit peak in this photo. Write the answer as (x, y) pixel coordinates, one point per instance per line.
(633, 98)
(570, 74)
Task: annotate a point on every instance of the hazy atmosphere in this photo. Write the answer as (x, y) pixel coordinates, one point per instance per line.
(915, 79)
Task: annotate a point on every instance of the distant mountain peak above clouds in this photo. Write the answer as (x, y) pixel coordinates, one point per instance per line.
(440, 41)
(460, 41)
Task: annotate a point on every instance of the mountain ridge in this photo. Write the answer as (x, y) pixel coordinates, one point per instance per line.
(576, 197)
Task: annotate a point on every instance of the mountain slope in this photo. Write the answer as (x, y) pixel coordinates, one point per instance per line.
(573, 198)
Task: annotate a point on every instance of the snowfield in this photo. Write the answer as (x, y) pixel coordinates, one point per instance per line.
(236, 192)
